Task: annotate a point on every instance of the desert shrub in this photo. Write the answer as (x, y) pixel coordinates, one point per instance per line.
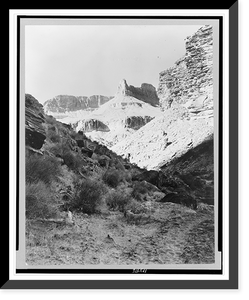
(112, 177)
(96, 173)
(42, 168)
(72, 160)
(139, 189)
(50, 120)
(117, 200)
(58, 149)
(64, 129)
(54, 149)
(127, 176)
(135, 207)
(53, 136)
(40, 201)
(89, 196)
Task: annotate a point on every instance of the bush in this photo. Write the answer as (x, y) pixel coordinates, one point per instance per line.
(89, 196)
(72, 160)
(112, 177)
(59, 149)
(135, 207)
(117, 200)
(139, 189)
(40, 201)
(53, 136)
(42, 168)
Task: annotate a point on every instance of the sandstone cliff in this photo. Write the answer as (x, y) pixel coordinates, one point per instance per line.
(147, 92)
(190, 80)
(68, 103)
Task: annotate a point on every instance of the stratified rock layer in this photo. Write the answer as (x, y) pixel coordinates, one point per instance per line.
(68, 103)
(147, 92)
(186, 99)
(190, 80)
(93, 125)
(34, 118)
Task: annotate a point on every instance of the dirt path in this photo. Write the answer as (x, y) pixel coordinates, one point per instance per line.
(172, 234)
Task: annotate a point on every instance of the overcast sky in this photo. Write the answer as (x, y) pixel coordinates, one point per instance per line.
(84, 60)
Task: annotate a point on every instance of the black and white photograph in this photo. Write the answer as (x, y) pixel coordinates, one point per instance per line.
(123, 149)
(119, 143)
(120, 131)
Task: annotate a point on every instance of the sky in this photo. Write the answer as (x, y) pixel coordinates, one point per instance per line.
(85, 60)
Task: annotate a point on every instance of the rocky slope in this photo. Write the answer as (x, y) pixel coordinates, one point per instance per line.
(122, 115)
(186, 98)
(164, 138)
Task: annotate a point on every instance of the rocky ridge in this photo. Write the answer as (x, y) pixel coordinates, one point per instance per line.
(69, 103)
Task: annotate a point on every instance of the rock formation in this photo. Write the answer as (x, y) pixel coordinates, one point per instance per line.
(190, 80)
(136, 122)
(164, 138)
(122, 115)
(147, 92)
(68, 103)
(186, 99)
(93, 125)
(34, 118)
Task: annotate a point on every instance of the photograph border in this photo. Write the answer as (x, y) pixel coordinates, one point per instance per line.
(232, 282)
(199, 269)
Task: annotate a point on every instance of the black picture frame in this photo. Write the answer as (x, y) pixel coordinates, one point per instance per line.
(232, 282)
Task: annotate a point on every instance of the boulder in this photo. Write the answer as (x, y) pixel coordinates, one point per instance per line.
(182, 198)
(80, 143)
(149, 176)
(87, 152)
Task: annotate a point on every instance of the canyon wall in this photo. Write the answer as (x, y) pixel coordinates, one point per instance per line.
(190, 81)
(186, 100)
(68, 103)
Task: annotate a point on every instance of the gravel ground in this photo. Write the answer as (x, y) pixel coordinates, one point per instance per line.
(168, 234)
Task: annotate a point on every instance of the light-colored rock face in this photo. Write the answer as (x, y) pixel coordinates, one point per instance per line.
(68, 103)
(190, 80)
(123, 115)
(164, 138)
(93, 125)
(186, 99)
(147, 92)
